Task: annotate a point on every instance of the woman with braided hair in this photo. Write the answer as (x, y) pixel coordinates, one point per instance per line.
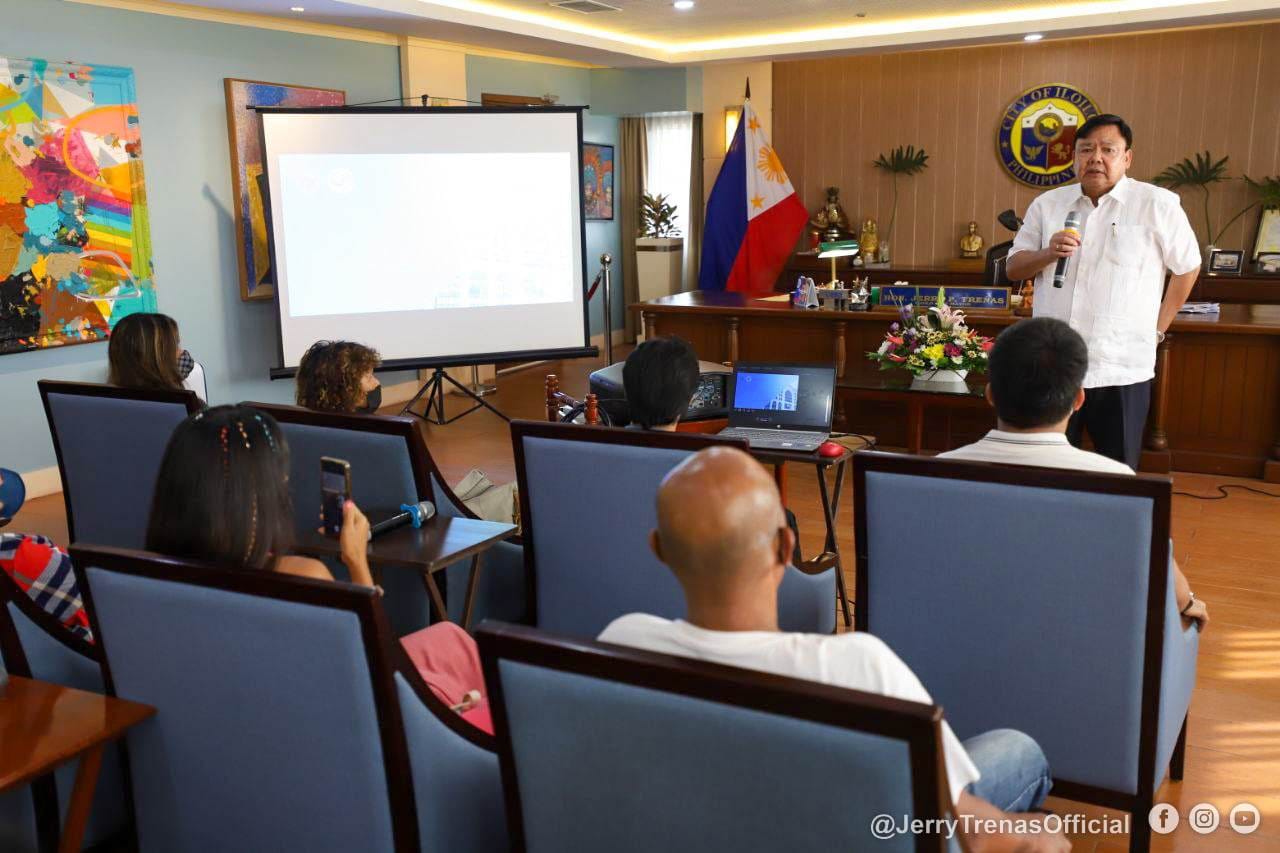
(222, 496)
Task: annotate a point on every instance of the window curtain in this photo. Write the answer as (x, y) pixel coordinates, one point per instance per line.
(633, 158)
(697, 209)
(670, 173)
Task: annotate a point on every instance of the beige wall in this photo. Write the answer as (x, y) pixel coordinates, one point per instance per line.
(432, 70)
(722, 86)
(1182, 92)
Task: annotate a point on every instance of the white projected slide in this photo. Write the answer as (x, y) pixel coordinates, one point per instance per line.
(434, 236)
(498, 241)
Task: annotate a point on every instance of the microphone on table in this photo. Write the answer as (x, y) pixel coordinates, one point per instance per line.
(415, 514)
(1060, 271)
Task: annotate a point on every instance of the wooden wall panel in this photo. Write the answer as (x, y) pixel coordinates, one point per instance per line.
(1183, 92)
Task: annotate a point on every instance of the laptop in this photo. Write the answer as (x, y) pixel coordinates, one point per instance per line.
(781, 406)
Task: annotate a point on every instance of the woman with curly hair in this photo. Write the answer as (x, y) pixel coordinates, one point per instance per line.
(337, 376)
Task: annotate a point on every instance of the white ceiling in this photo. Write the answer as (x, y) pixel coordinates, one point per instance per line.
(652, 32)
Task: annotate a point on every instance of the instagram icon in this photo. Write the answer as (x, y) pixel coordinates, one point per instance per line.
(1203, 818)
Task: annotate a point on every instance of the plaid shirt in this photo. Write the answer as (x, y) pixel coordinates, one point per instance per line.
(43, 571)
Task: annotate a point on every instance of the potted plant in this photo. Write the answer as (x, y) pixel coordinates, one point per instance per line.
(1202, 173)
(907, 162)
(934, 346)
(659, 249)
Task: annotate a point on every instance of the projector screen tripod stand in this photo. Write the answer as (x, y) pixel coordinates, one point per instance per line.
(434, 390)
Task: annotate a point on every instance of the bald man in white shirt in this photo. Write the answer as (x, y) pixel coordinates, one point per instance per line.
(1114, 292)
(722, 532)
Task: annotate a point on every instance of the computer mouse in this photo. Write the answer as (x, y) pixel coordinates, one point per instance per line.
(830, 448)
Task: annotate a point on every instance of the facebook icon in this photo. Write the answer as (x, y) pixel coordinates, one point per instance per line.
(1163, 818)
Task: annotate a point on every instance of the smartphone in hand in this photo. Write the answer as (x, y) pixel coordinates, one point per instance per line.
(335, 491)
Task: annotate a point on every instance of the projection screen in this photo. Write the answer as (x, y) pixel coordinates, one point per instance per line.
(442, 236)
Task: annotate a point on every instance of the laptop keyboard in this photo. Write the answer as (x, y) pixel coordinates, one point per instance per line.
(794, 439)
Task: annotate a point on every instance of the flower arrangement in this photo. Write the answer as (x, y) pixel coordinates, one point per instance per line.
(925, 342)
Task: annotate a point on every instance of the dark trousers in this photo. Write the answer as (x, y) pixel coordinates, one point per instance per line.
(1115, 417)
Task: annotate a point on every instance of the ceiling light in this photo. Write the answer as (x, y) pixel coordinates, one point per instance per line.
(297, 9)
(683, 5)
(1033, 37)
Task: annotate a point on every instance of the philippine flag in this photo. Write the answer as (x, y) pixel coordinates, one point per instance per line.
(753, 217)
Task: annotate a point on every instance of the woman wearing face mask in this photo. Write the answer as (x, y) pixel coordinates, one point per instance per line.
(337, 376)
(144, 352)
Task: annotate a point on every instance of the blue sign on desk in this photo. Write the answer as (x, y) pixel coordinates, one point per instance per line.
(963, 298)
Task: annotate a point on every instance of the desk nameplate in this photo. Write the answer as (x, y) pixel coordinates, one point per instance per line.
(960, 298)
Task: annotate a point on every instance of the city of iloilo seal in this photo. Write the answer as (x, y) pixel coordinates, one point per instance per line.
(1036, 140)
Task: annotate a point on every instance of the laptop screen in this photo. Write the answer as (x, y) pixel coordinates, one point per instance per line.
(782, 396)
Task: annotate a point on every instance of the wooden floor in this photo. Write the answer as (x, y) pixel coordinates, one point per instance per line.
(1229, 549)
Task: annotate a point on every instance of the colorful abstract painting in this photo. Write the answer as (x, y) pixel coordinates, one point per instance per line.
(75, 244)
(256, 277)
(597, 180)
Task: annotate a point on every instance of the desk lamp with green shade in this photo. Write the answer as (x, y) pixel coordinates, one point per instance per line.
(838, 249)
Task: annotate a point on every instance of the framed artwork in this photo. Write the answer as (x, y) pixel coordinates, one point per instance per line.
(1226, 262)
(75, 241)
(257, 279)
(597, 180)
(1266, 243)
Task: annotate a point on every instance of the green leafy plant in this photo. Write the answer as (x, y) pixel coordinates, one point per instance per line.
(1201, 173)
(657, 217)
(907, 162)
(1268, 190)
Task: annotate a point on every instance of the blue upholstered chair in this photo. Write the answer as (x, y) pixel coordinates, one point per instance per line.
(587, 504)
(109, 442)
(34, 645)
(391, 465)
(609, 748)
(1036, 599)
(288, 717)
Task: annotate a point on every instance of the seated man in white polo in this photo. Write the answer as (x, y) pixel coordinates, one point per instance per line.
(1036, 373)
(722, 532)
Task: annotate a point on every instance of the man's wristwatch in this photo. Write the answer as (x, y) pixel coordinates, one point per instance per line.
(1159, 336)
(1191, 603)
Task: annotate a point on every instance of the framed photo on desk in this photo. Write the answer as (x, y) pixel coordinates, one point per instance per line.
(1266, 244)
(1225, 262)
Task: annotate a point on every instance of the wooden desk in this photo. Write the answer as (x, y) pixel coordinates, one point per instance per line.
(43, 726)
(1215, 405)
(439, 543)
(1248, 288)
(865, 381)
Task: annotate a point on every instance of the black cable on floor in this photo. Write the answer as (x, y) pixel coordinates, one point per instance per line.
(1222, 492)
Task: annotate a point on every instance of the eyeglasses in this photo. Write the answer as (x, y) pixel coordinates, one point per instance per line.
(1109, 152)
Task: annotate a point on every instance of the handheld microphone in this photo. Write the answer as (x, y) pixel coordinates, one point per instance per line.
(415, 514)
(1060, 271)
